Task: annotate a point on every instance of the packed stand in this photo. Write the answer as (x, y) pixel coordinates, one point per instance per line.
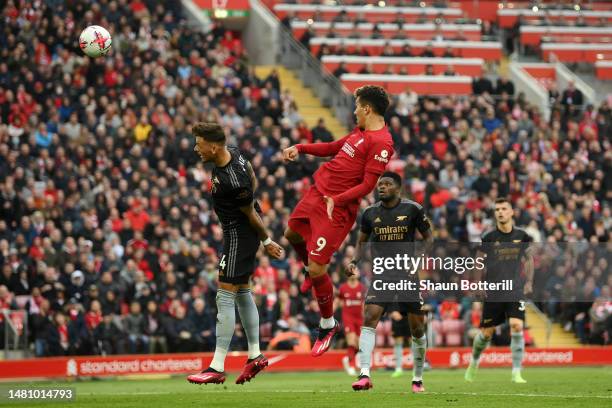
(107, 238)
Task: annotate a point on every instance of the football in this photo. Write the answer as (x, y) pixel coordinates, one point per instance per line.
(95, 41)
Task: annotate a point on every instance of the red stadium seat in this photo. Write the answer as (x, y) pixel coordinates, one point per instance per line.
(603, 70)
(489, 51)
(453, 332)
(421, 84)
(413, 31)
(568, 52)
(532, 35)
(374, 15)
(414, 66)
(508, 17)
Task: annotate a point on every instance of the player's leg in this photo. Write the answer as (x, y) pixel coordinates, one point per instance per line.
(492, 315)
(226, 321)
(398, 353)
(367, 341)
(516, 314)
(249, 316)
(401, 331)
(350, 333)
(325, 239)
(298, 243)
(481, 342)
(298, 232)
(244, 264)
(419, 349)
(324, 293)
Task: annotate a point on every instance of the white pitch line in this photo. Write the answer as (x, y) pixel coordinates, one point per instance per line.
(475, 394)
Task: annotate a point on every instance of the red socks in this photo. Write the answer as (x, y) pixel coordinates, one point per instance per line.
(324, 291)
(302, 252)
(351, 352)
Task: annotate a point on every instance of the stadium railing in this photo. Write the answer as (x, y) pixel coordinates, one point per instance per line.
(549, 323)
(565, 76)
(15, 333)
(331, 92)
(533, 91)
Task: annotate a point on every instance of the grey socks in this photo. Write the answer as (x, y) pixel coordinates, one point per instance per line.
(367, 340)
(517, 346)
(480, 343)
(226, 321)
(419, 347)
(250, 320)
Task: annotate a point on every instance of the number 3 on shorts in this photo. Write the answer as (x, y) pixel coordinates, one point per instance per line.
(321, 242)
(521, 306)
(222, 263)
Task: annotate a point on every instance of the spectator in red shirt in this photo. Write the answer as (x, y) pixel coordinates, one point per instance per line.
(138, 217)
(265, 273)
(94, 316)
(449, 309)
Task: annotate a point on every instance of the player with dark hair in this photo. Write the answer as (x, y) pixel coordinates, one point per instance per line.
(503, 260)
(391, 220)
(325, 215)
(233, 187)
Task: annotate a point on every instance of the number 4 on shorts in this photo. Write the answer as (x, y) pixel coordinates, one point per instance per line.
(222, 263)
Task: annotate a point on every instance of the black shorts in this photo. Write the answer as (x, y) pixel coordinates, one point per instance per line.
(237, 262)
(403, 307)
(496, 313)
(400, 328)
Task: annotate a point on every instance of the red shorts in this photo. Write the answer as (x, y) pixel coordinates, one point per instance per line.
(323, 236)
(352, 324)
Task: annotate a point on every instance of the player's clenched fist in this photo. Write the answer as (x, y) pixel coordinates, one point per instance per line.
(274, 250)
(290, 154)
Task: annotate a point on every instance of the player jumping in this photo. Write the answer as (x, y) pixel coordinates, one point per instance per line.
(392, 219)
(233, 186)
(325, 215)
(503, 265)
(350, 294)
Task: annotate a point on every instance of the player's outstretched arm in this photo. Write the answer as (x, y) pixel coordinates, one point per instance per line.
(272, 248)
(315, 149)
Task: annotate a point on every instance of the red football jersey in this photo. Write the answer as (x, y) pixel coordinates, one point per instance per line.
(352, 299)
(361, 152)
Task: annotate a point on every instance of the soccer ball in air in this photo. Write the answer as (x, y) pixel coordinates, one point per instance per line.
(95, 41)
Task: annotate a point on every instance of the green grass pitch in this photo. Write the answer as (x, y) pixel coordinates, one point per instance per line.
(546, 387)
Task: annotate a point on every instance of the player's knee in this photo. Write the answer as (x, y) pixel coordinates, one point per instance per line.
(371, 318)
(417, 332)
(370, 322)
(487, 333)
(516, 327)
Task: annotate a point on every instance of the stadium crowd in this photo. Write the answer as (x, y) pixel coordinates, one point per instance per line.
(108, 240)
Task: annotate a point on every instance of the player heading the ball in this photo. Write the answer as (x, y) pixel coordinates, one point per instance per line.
(325, 215)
